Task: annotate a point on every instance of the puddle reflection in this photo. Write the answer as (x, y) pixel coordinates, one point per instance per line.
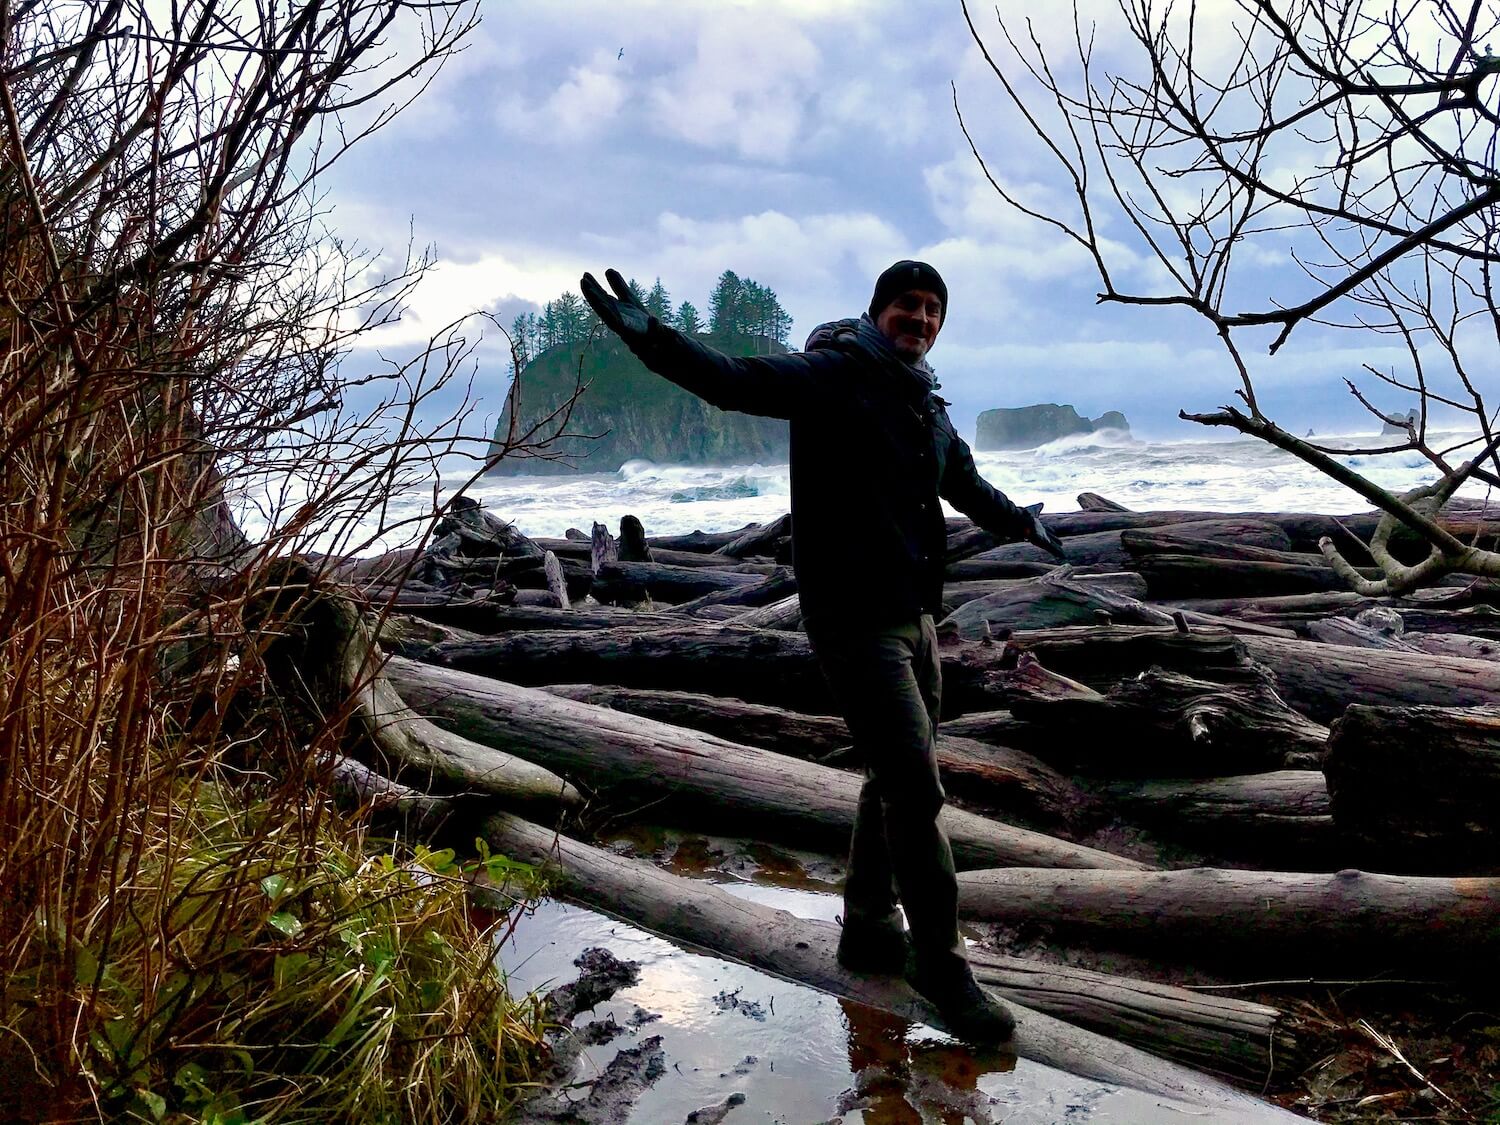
(797, 1055)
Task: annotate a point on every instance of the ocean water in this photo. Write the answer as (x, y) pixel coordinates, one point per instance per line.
(1206, 475)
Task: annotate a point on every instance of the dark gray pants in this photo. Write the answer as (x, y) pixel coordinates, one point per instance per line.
(888, 683)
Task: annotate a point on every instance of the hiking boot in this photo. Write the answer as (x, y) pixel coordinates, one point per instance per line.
(969, 1012)
(874, 948)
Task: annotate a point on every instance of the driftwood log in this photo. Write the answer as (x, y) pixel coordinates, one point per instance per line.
(802, 950)
(1166, 724)
(1273, 920)
(324, 656)
(759, 540)
(631, 582)
(1282, 818)
(1416, 788)
(1320, 680)
(998, 778)
(774, 587)
(1051, 601)
(697, 778)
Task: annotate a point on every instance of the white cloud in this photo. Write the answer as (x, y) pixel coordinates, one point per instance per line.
(576, 110)
(746, 88)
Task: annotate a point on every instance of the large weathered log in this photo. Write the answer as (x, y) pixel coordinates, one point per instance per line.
(1048, 602)
(1454, 644)
(1098, 655)
(1166, 724)
(1198, 576)
(783, 614)
(631, 582)
(1122, 582)
(777, 667)
(699, 914)
(1220, 1035)
(1416, 788)
(774, 587)
(989, 570)
(1286, 609)
(757, 540)
(1321, 680)
(697, 541)
(1293, 922)
(1302, 529)
(1108, 549)
(999, 778)
(1180, 541)
(757, 665)
(1280, 818)
(696, 776)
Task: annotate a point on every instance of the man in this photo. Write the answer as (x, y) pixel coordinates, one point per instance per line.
(872, 449)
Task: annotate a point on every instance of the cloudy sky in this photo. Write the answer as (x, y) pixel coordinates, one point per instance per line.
(806, 144)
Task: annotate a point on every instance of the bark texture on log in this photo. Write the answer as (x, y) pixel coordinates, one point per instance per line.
(1198, 576)
(784, 614)
(1416, 788)
(1166, 724)
(996, 777)
(777, 667)
(1282, 818)
(1048, 602)
(630, 582)
(1321, 680)
(774, 587)
(1291, 921)
(1098, 655)
(703, 542)
(698, 776)
(757, 665)
(802, 950)
(757, 540)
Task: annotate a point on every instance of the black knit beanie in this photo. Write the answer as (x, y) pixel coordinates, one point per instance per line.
(904, 275)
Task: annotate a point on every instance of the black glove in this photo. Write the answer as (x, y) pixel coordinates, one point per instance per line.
(623, 314)
(1044, 538)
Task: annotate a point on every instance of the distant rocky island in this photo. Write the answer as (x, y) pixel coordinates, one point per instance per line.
(628, 413)
(623, 412)
(1026, 427)
(1397, 423)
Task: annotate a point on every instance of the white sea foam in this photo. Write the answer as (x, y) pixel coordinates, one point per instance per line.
(1204, 475)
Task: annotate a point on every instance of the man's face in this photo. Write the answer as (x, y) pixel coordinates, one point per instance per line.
(911, 323)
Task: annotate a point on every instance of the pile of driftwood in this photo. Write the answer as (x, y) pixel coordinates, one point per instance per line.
(1188, 742)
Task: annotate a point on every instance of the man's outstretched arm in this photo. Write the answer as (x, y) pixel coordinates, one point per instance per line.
(986, 505)
(776, 386)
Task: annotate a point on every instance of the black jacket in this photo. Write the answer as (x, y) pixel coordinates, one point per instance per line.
(872, 449)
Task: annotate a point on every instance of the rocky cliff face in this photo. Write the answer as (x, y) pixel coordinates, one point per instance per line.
(626, 412)
(1026, 427)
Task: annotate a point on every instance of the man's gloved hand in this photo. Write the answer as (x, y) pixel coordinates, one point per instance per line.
(623, 314)
(1044, 538)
